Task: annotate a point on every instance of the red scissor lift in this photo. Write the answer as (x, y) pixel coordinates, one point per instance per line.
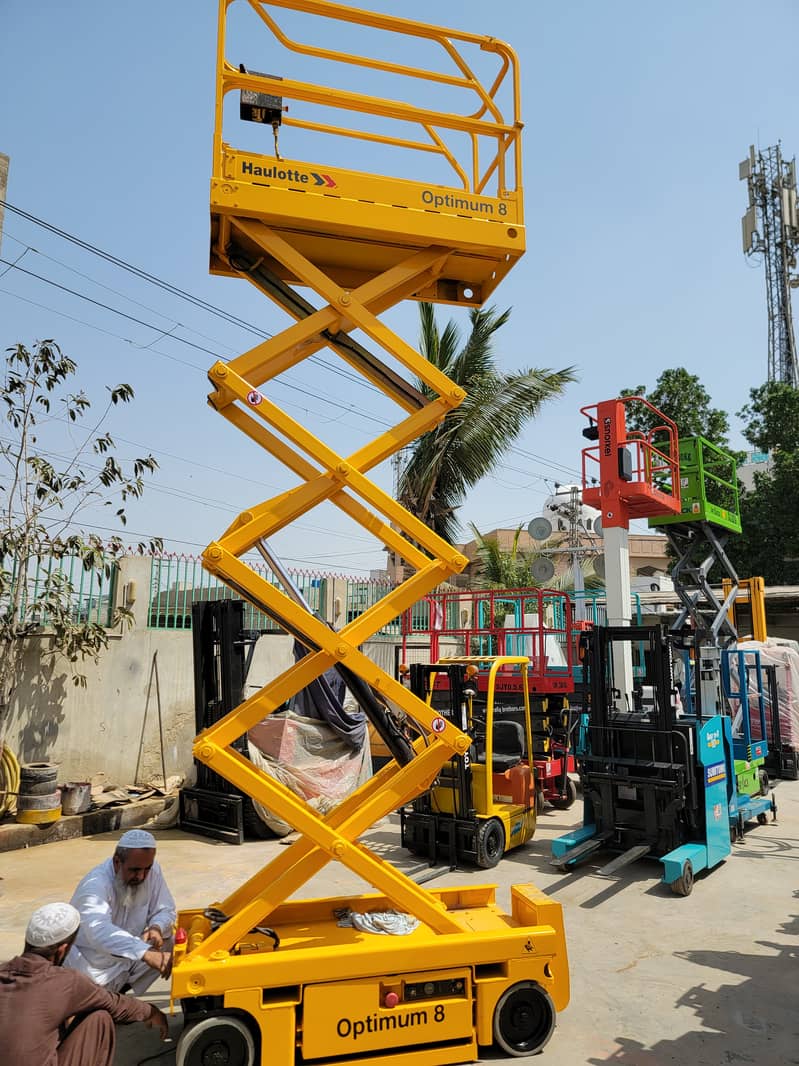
(533, 622)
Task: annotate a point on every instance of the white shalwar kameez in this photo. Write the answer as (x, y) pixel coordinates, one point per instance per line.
(109, 947)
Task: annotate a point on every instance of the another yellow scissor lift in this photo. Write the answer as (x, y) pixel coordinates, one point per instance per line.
(262, 979)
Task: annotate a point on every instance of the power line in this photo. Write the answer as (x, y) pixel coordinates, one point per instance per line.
(208, 308)
(176, 291)
(284, 384)
(183, 494)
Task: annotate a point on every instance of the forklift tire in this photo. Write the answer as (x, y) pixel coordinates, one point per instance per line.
(765, 784)
(685, 882)
(540, 802)
(490, 843)
(218, 1038)
(524, 1019)
(562, 803)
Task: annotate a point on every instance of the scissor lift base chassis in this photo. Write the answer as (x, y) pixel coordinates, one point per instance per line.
(310, 998)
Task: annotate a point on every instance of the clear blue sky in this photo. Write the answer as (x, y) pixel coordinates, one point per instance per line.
(636, 116)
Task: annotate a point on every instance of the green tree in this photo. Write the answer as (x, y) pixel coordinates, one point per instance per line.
(503, 568)
(43, 492)
(768, 546)
(452, 458)
(684, 399)
(512, 568)
(772, 417)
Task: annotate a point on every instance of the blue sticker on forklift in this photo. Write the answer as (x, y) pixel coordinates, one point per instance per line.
(716, 772)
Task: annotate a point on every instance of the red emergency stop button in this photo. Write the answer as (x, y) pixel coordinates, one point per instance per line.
(392, 999)
(180, 935)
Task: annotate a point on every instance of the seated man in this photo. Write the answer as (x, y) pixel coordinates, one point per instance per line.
(38, 998)
(127, 918)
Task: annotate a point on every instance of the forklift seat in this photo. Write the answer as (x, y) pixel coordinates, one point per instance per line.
(509, 745)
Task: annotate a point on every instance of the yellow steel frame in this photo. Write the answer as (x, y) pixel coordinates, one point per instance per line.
(356, 225)
(440, 253)
(751, 590)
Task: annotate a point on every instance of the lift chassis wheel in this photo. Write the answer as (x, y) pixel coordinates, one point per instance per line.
(490, 843)
(524, 1019)
(562, 803)
(219, 1040)
(685, 882)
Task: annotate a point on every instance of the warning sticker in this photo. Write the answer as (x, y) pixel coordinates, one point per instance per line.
(438, 725)
(254, 398)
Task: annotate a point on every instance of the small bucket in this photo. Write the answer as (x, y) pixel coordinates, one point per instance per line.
(76, 797)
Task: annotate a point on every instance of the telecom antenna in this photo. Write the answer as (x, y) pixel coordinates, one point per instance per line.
(770, 228)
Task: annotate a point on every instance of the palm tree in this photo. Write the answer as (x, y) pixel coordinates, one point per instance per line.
(450, 459)
(512, 568)
(503, 568)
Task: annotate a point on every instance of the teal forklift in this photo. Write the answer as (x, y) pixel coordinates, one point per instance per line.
(667, 770)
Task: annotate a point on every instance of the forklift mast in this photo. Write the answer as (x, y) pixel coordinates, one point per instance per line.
(222, 654)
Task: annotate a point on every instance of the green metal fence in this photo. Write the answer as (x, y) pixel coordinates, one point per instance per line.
(178, 581)
(364, 594)
(90, 594)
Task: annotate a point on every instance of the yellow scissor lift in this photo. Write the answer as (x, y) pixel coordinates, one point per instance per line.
(262, 976)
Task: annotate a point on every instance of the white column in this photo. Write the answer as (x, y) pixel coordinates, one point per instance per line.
(617, 585)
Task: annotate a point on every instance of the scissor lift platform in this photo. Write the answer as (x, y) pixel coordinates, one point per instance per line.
(361, 243)
(355, 226)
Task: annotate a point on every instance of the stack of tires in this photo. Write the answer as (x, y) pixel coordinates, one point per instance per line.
(39, 800)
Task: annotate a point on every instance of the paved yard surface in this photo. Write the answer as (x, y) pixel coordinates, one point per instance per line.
(656, 979)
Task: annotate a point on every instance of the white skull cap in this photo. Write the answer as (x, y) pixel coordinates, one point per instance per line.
(51, 924)
(136, 838)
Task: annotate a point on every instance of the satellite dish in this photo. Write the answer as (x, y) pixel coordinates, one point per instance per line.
(542, 569)
(540, 529)
(598, 526)
(599, 565)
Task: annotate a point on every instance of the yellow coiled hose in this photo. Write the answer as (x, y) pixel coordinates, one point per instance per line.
(9, 780)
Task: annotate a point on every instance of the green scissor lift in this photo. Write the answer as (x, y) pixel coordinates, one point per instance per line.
(698, 535)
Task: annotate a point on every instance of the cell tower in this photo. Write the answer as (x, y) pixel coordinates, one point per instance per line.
(770, 228)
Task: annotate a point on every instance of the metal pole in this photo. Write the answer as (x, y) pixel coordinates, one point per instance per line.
(4, 164)
(617, 584)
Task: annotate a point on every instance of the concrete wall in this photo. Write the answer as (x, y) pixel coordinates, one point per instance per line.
(142, 688)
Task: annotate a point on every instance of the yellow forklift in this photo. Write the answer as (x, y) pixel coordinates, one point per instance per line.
(265, 976)
(483, 803)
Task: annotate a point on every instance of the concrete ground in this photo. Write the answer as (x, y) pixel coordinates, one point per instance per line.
(656, 979)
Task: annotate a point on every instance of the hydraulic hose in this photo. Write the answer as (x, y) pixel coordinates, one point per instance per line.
(9, 780)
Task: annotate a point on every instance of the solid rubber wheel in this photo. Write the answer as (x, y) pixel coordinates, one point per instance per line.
(563, 803)
(685, 882)
(762, 819)
(540, 802)
(524, 1019)
(216, 1041)
(765, 784)
(490, 845)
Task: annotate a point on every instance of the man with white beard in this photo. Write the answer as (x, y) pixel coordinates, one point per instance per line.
(127, 918)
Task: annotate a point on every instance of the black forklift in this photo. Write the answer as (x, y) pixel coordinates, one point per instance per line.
(223, 650)
(639, 769)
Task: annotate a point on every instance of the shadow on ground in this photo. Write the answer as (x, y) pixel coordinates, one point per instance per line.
(753, 1020)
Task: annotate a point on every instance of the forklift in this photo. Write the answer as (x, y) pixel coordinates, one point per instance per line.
(666, 771)
(222, 655)
(481, 624)
(655, 782)
(482, 803)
